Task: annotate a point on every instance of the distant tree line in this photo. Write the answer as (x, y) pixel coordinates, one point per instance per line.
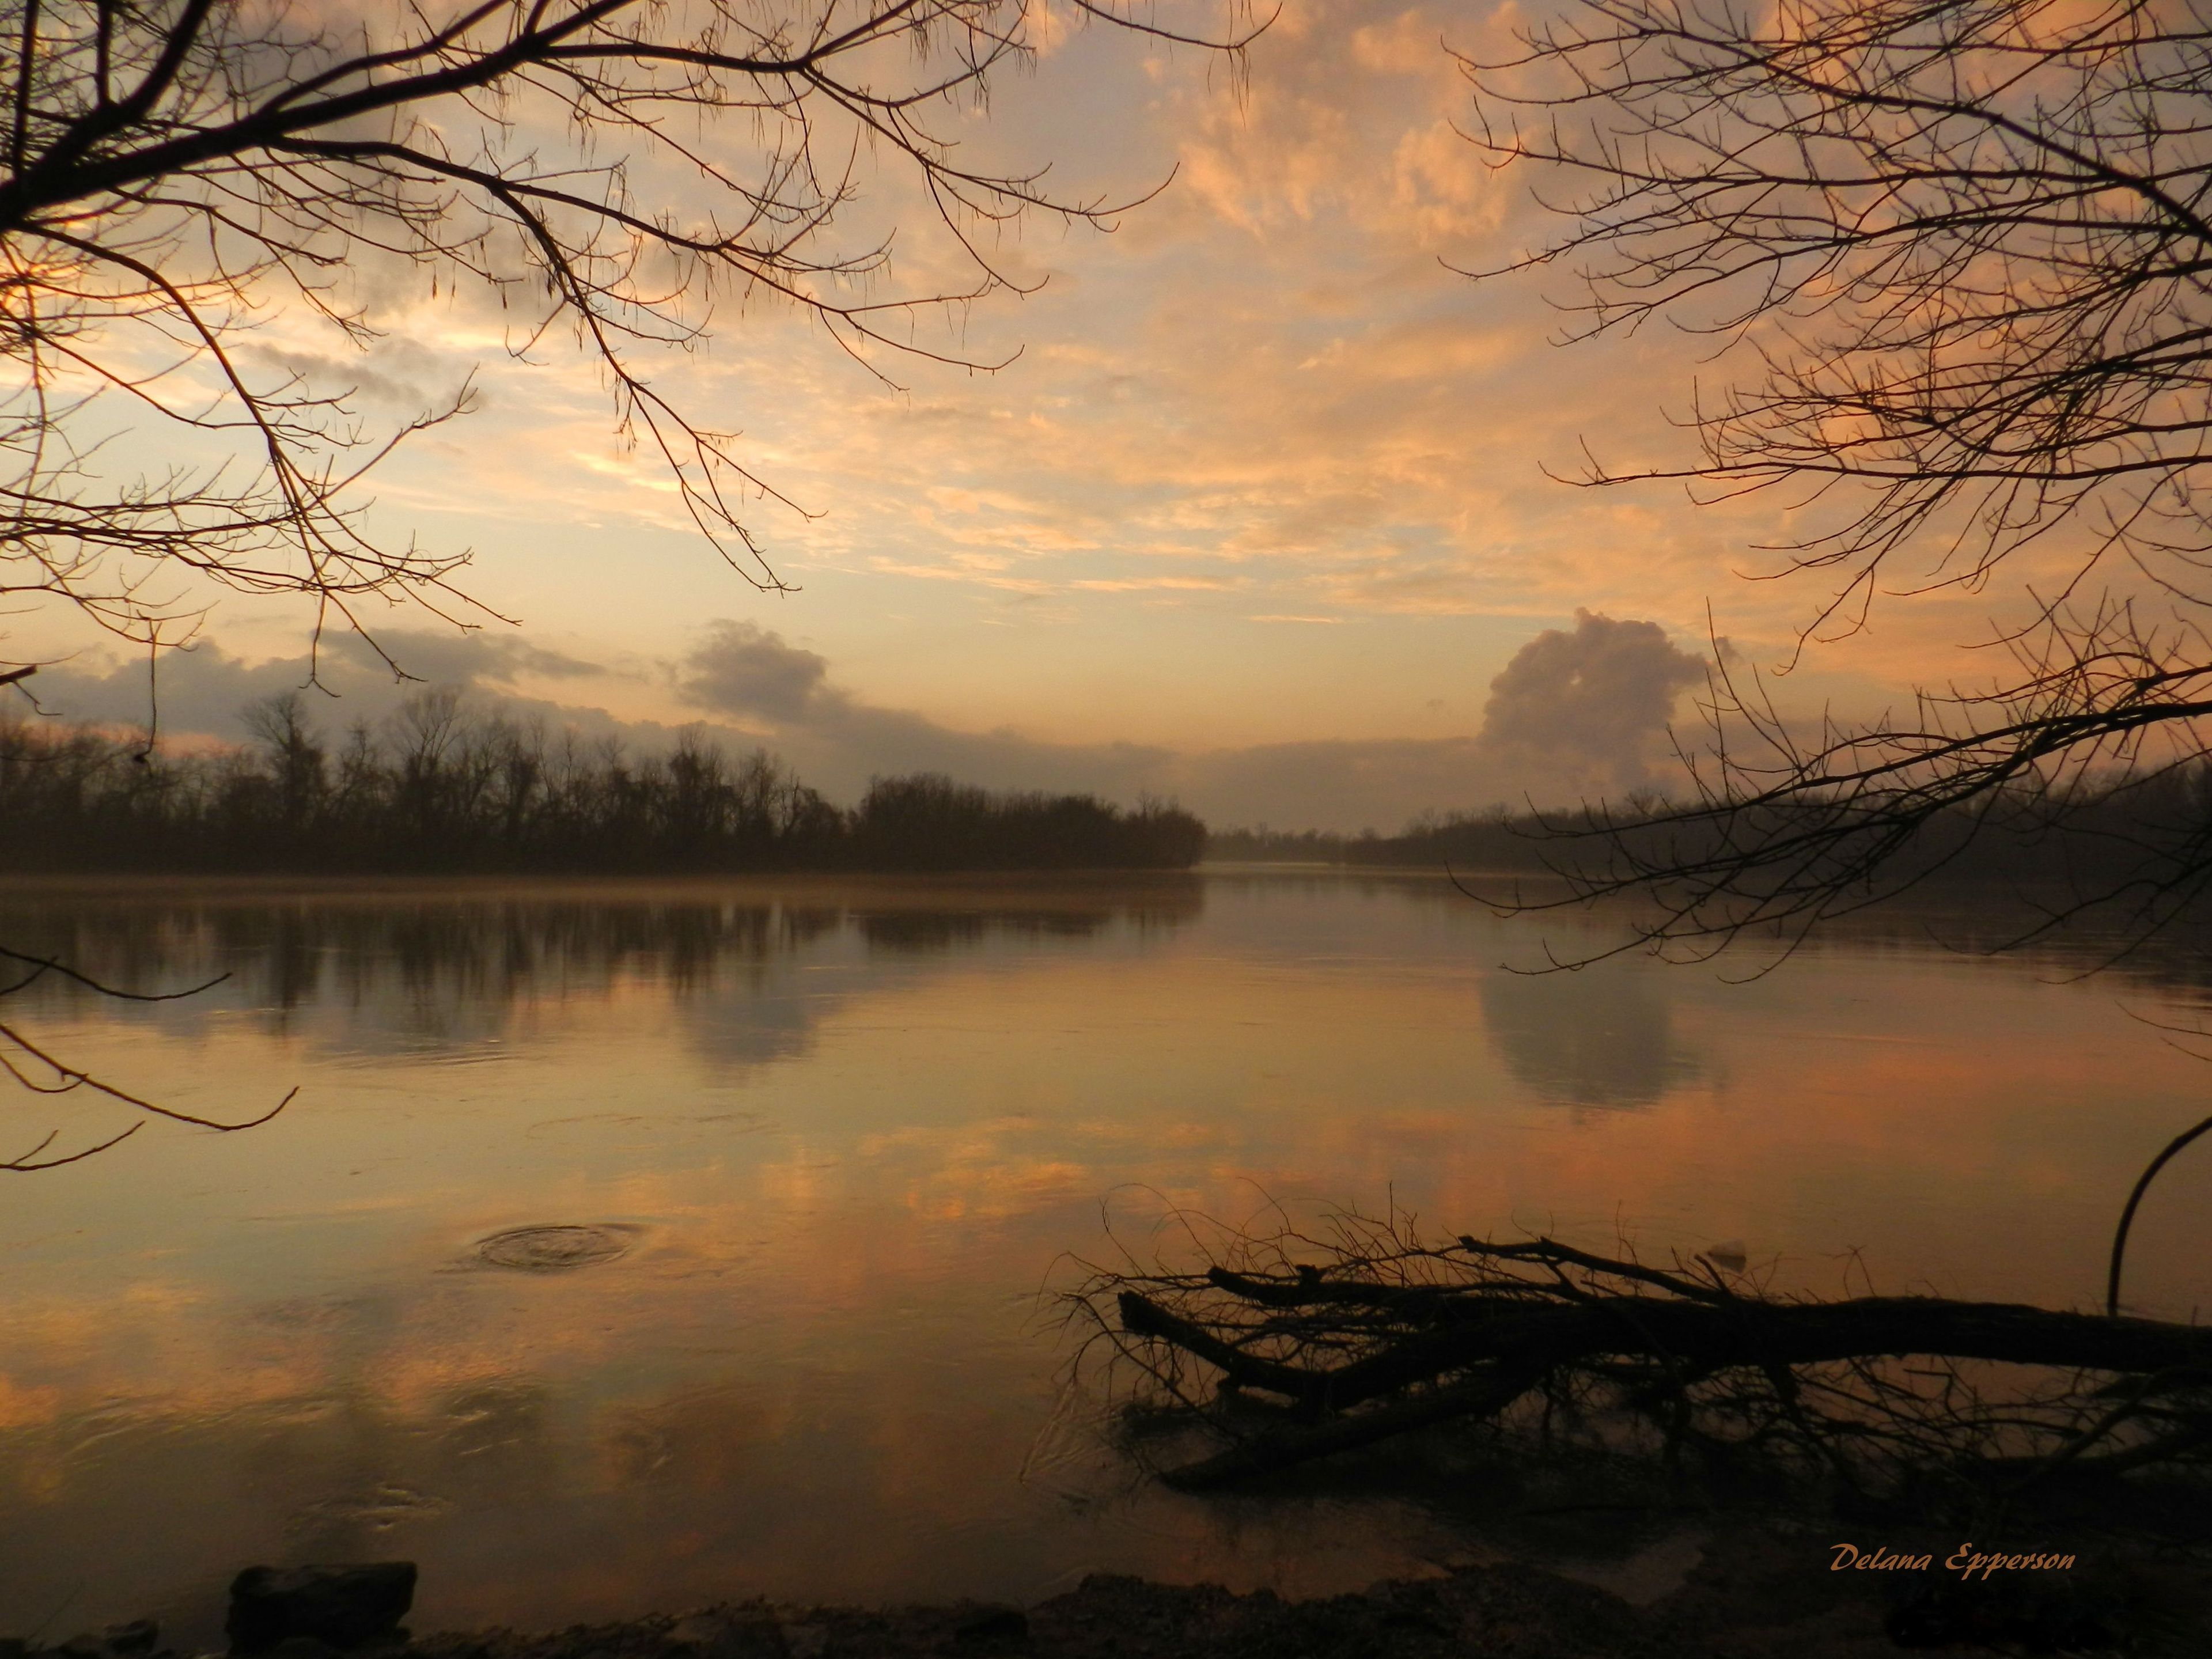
(2119, 840)
(1494, 840)
(441, 787)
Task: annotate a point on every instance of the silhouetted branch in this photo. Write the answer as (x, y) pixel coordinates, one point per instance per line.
(2136, 1198)
(40, 966)
(31, 1160)
(46, 1075)
(1371, 1333)
(1956, 263)
(621, 169)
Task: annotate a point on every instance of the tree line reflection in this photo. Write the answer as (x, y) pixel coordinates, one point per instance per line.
(752, 970)
(447, 966)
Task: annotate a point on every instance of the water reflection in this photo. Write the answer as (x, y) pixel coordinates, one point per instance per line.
(383, 968)
(1601, 1037)
(843, 1130)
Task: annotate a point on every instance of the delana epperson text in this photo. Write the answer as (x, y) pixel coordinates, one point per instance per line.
(1966, 1561)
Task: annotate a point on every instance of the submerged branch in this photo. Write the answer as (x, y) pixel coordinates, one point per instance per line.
(1394, 1334)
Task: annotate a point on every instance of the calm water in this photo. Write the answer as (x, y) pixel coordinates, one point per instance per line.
(845, 1131)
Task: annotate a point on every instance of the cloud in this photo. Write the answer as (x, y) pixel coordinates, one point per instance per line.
(838, 743)
(745, 670)
(202, 689)
(1577, 712)
(1577, 715)
(395, 375)
(1267, 405)
(1587, 710)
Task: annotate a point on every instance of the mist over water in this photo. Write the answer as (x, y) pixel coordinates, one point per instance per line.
(637, 1245)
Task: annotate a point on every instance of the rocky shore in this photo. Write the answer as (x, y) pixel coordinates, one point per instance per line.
(1755, 1594)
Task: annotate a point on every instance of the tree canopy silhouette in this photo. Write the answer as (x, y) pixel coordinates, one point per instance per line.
(444, 787)
(172, 171)
(1960, 250)
(175, 169)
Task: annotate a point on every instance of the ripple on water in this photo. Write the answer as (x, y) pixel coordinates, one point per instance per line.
(554, 1248)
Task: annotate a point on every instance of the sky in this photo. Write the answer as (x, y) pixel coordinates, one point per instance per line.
(1260, 510)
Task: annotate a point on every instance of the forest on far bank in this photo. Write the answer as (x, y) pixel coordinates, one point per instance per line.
(2114, 840)
(442, 789)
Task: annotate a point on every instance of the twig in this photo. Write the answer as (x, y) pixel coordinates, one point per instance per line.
(2128, 1215)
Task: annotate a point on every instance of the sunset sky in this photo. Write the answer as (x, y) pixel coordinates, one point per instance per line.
(1255, 517)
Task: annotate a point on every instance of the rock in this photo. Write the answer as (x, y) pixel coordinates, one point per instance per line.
(300, 1647)
(86, 1646)
(992, 1625)
(726, 1633)
(341, 1606)
(139, 1636)
(2060, 1616)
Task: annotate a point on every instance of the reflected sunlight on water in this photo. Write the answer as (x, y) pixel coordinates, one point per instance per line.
(816, 1147)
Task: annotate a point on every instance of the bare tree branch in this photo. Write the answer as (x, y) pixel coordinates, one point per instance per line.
(177, 168)
(1956, 256)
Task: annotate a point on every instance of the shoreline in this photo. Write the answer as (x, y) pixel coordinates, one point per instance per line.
(1750, 1596)
(1744, 1590)
(1725, 1588)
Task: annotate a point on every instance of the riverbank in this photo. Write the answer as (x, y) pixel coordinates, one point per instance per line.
(1751, 1588)
(1749, 1595)
(1711, 1584)
(1748, 1590)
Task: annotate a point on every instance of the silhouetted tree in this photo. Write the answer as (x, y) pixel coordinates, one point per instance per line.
(298, 766)
(442, 787)
(1960, 253)
(927, 822)
(170, 169)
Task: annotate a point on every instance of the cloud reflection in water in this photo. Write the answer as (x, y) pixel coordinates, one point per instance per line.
(852, 1124)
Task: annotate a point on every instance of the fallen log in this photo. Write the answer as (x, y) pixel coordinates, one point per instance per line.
(1706, 1338)
(1383, 1340)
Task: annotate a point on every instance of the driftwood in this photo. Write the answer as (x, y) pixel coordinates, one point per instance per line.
(1385, 1334)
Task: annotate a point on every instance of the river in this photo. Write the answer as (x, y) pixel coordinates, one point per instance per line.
(815, 1152)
